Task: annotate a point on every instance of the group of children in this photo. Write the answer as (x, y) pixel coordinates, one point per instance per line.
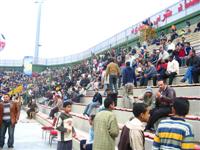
(172, 133)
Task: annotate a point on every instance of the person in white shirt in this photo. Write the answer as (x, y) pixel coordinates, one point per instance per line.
(104, 80)
(163, 54)
(170, 47)
(172, 69)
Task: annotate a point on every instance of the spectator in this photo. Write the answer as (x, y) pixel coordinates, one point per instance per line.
(148, 22)
(84, 81)
(163, 36)
(139, 70)
(196, 69)
(173, 28)
(32, 108)
(181, 54)
(104, 79)
(65, 128)
(172, 69)
(128, 97)
(122, 67)
(161, 69)
(187, 48)
(9, 115)
(81, 93)
(197, 29)
(113, 96)
(87, 144)
(56, 106)
(164, 101)
(113, 72)
(154, 56)
(150, 72)
(181, 32)
(192, 62)
(128, 75)
(106, 122)
(173, 35)
(132, 136)
(96, 101)
(175, 132)
(148, 97)
(188, 30)
(75, 95)
(170, 47)
(163, 54)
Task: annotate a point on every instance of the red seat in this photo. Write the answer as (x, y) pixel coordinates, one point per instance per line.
(53, 132)
(48, 128)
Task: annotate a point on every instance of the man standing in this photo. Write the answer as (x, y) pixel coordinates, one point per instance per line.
(113, 72)
(105, 127)
(9, 115)
(128, 75)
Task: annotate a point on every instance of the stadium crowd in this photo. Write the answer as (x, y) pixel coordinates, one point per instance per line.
(111, 70)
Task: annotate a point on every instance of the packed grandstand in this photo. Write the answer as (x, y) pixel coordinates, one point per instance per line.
(130, 72)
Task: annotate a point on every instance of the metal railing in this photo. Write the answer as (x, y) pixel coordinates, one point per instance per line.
(120, 37)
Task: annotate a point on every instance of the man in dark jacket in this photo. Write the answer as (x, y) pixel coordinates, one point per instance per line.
(164, 101)
(195, 60)
(128, 75)
(193, 63)
(96, 101)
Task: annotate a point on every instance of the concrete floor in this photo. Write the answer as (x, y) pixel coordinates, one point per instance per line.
(28, 136)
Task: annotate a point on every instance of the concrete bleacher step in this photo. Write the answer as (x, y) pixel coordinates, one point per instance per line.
(123, 115)
(176, 81)
(194, 104)
(181, 90)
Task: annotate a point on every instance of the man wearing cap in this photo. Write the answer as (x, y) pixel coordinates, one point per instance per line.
(149, 97)
(9, 115)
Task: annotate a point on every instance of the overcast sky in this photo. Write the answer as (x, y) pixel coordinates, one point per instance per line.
(68, 26)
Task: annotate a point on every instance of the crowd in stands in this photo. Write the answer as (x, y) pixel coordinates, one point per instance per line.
(111, 70)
